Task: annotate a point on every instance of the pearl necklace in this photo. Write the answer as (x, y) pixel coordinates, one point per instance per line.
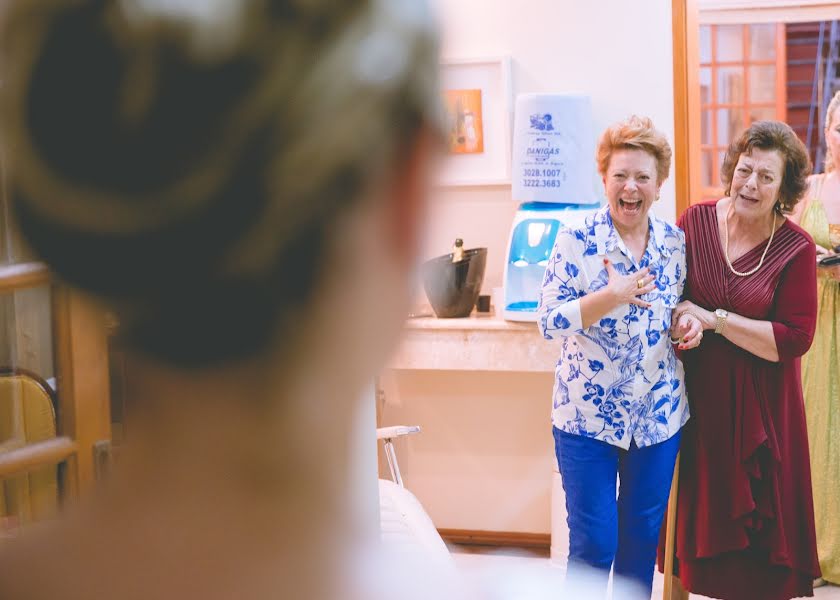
(726, 244)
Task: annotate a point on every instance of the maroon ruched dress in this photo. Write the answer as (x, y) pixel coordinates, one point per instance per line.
(745, 518)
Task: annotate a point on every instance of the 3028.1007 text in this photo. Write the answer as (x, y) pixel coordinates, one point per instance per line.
(542, 172)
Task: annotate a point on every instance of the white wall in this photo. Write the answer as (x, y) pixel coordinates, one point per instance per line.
(485, 457)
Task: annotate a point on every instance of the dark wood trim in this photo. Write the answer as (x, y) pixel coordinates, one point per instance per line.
(496, 538)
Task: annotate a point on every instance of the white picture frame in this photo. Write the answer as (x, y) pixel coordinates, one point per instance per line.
(491, 166)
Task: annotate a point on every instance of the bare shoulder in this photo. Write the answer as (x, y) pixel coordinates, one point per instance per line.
(814, 185)
(828, 189)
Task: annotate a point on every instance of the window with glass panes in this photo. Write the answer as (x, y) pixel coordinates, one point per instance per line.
(742, 79)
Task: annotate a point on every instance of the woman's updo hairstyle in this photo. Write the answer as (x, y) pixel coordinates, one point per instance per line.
(187, 160)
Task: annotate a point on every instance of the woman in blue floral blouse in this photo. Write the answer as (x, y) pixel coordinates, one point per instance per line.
(619, 401)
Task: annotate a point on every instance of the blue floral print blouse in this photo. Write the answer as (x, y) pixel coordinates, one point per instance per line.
(619, 379)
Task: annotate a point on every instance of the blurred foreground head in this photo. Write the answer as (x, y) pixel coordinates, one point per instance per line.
(199, 165)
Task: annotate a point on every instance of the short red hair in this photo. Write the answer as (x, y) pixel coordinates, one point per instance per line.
(637, 133)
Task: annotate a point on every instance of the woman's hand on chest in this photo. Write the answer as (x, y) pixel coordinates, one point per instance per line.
(629, 288)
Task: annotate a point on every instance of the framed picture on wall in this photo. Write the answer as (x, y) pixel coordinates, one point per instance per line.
(476, 96)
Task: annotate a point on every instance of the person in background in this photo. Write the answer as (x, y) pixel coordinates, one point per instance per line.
(619, 402)
(745, 521)
(242, 184)
(819, 215)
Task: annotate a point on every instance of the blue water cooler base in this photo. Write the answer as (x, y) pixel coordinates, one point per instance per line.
(521, 311)
(531, 241)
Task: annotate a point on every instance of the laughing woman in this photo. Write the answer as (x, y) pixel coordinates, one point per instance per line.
(619, 401)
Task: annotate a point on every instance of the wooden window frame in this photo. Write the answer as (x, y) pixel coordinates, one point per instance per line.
(779, 105)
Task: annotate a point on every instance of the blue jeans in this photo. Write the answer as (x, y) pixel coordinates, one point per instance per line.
(605, 532)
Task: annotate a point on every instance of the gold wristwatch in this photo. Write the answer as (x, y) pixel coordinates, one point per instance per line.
(721, 320)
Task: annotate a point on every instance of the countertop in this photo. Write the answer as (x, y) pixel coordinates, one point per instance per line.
(474, 343)
(483, 321)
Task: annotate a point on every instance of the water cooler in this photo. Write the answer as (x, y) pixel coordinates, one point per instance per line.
(554, 182)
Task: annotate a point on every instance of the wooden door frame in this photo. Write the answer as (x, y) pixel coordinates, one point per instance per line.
(686, 50)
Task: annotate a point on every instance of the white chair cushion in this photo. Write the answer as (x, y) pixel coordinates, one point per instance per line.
(406, 527)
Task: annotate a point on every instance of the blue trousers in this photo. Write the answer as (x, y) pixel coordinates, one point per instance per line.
(606, 532)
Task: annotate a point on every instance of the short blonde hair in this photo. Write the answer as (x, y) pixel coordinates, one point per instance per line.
(832, 107)
(636, 133)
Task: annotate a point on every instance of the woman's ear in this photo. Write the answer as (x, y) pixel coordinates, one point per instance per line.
(408, 197)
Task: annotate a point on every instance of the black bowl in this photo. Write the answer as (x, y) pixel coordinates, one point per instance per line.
(453, 287)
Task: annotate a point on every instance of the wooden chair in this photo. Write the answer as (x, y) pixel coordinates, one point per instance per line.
(405, 526)
(27, 415)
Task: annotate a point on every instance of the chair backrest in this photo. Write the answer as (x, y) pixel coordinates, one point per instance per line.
(27, 415)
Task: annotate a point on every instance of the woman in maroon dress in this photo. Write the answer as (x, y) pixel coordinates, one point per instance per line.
(745, 521)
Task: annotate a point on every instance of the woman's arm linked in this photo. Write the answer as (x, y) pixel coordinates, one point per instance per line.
(790, 330)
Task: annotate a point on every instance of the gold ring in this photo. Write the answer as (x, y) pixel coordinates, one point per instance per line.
(640, 283)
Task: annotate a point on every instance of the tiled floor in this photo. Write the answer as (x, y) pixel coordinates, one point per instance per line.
(527, 574)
